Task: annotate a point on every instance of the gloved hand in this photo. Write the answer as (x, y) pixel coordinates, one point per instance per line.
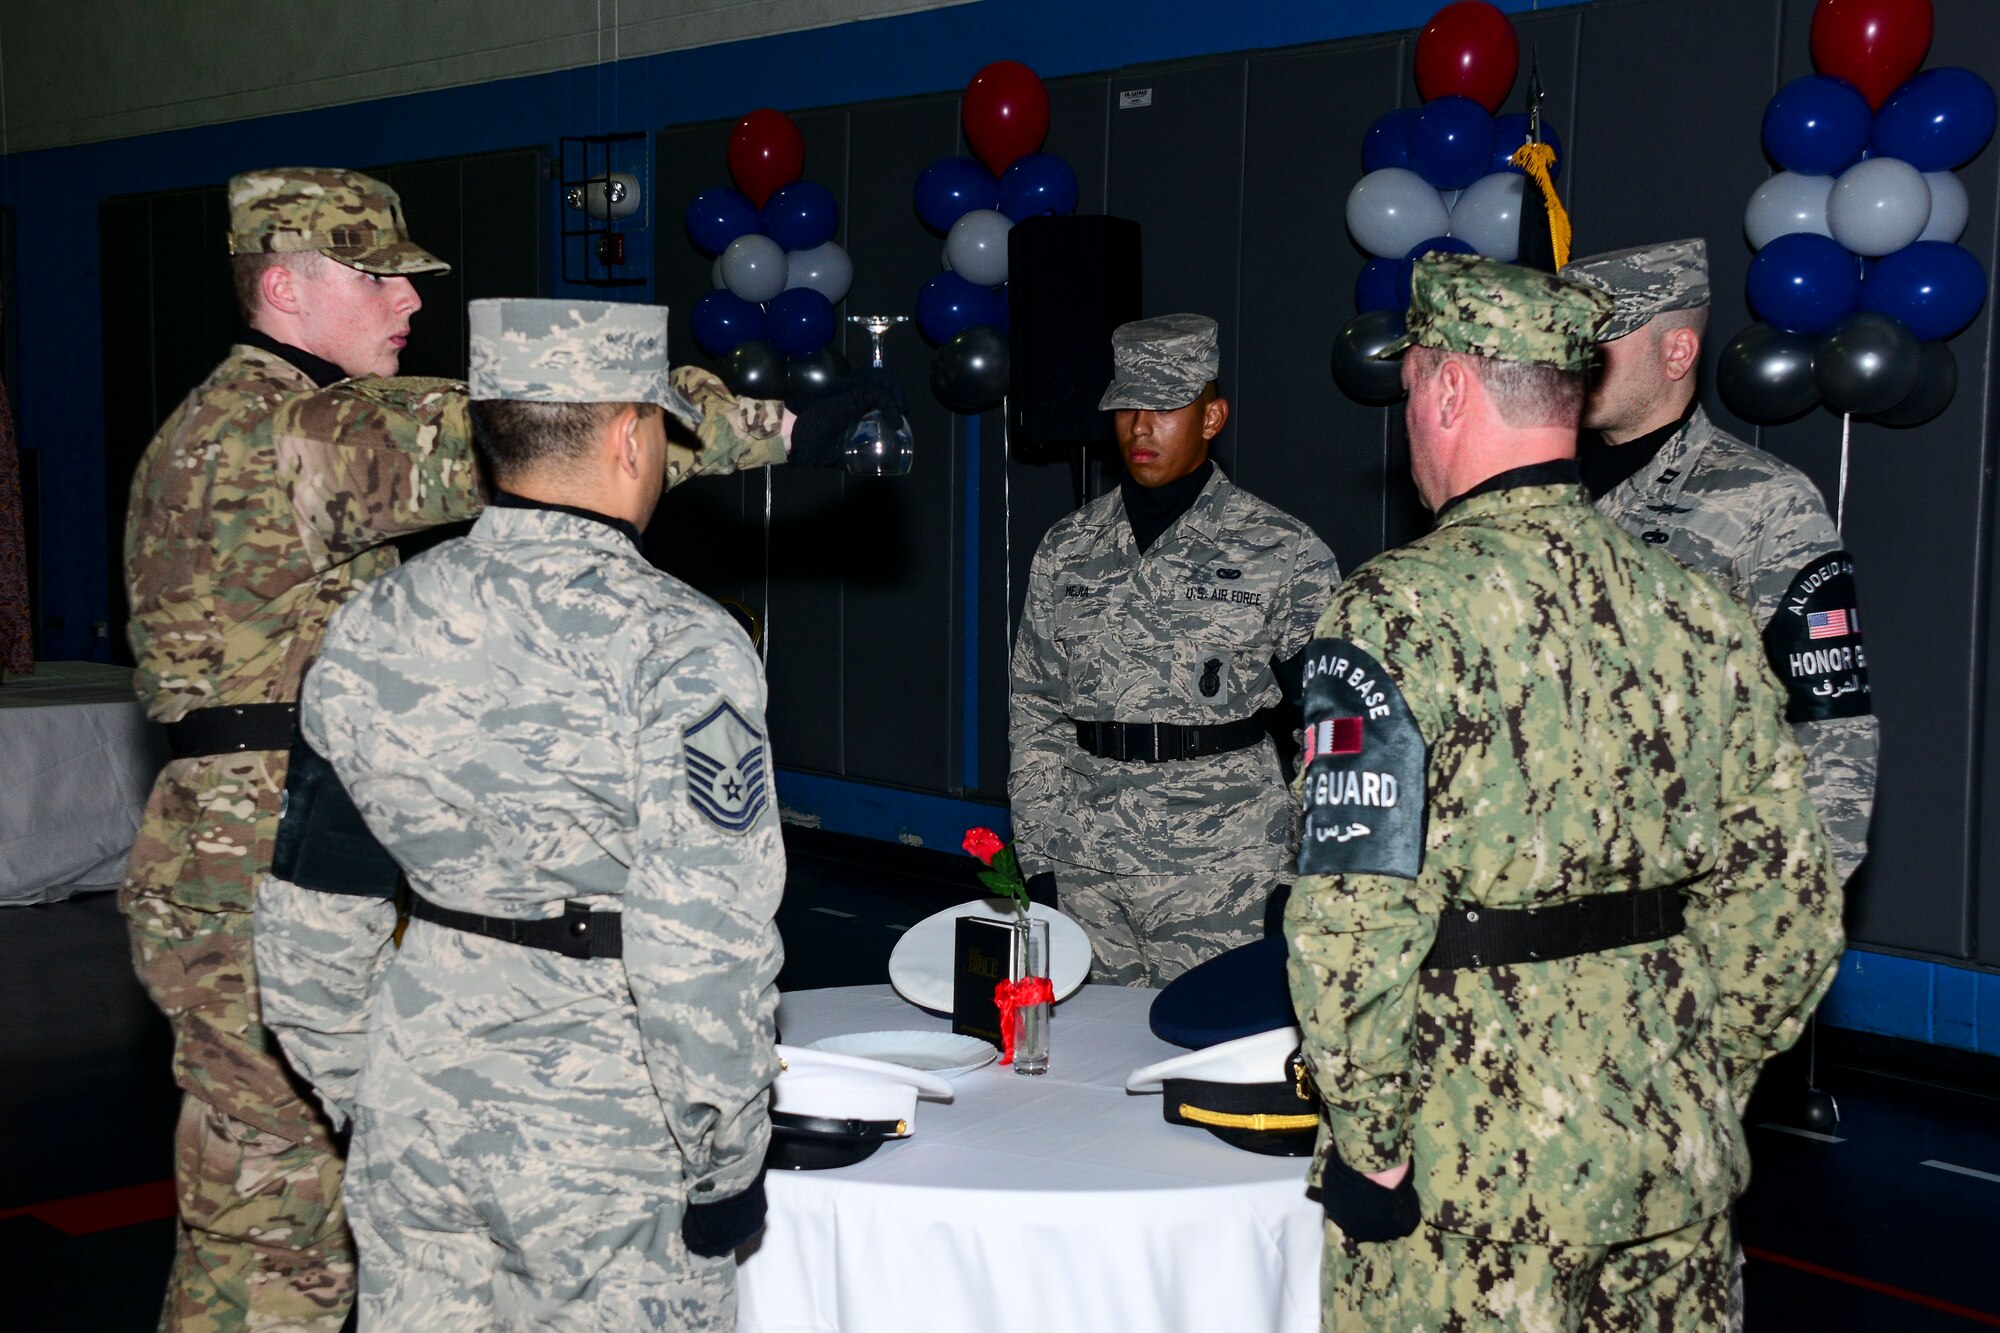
(1042, 887)
(825, 415)
(1365, 1211)
(712, 1230)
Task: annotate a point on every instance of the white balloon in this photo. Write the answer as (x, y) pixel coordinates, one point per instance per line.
(753, 267)
(1879, 206)
(1949, 207)
(1488, 215)
(1786, 203)
(1450, 198)
(824, 268)
(1392, 209)
(976, 247)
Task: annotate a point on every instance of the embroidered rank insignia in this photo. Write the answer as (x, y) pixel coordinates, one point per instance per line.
(728, 781)
(1814, 643)
(1364, 763)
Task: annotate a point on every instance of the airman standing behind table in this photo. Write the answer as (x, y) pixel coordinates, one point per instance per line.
(1158, 620)
(268, 497)
(1658, 467)
(1562, 891)
(560, 1101)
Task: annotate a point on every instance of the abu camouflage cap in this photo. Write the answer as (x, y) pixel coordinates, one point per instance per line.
(344, 215)
(562, 351)
(1161, 364)
(1646, 280)
(1482, 307)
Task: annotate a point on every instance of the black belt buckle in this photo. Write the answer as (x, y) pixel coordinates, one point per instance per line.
(578, 931)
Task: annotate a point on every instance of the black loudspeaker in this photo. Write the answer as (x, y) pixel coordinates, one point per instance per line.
(1070, 282)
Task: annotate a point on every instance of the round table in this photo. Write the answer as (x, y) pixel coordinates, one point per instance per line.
(1034, 1204)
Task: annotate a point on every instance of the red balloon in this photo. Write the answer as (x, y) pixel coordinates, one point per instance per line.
(1006, 114)
(1468, 50)
(1873, 44)
(766, 151)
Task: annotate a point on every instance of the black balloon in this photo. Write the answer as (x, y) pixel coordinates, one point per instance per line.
(755, 369)
(1766, 374)
(1866, 363)
(1937, 382)
(969, 373)
(815, 370)
(1355, 366)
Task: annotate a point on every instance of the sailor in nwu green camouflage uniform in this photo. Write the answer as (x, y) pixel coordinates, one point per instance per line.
(559, 1081)
(1658, 467)
(1158, 619)
(1562, 891)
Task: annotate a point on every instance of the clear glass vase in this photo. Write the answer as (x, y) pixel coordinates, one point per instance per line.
(1031, 1021)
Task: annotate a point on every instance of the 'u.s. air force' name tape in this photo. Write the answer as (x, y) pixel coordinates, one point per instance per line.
(1364, 768)
(1814, 643)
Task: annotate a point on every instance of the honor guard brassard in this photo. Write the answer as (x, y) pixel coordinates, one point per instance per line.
(1814, 643)
(1364, 768)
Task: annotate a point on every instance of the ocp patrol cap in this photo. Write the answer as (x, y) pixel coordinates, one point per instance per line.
(1482, 307)
(1161, 364)
(344, 215)
(563, 351)
(1646, 280)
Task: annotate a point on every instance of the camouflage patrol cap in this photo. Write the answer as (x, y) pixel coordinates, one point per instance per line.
(1467, 303)
(1161, 364)
(344, 215)
(573, 352)
(1646, 280)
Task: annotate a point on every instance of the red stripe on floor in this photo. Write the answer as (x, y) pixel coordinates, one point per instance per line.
(107, 1210)
(1869, 1284)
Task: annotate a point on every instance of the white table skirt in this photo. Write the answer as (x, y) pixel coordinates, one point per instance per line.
(1034, 1205)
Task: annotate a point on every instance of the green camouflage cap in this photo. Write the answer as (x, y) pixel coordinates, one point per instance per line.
(1646, 280)
(344, 215)
(1161, 364)
(564, 351)
(1480, 306)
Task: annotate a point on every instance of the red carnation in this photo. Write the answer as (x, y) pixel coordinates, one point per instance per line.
(983, 843)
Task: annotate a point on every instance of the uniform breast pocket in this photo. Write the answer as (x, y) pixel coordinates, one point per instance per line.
(1222, 662)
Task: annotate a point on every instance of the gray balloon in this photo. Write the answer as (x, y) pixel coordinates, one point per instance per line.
(1786, 203)
(753, 267)
(1950, 207)
(1766, 374)
(715, 275)
(1392, 209)
(1866, 363)
(1879, 206)
(824, 268)
(976, 249)
(969, 373)
(1937, 382)
(1487, 216)
(1361, 374)
(755, 368)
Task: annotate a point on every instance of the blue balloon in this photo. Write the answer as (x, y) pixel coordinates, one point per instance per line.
(948, 305)
(801, 216)
(1933, 287)
(1037, 185)
(1377, 289)
(951, 187)
(800, 320)
(1509, 133)
(717, 217)
(1451, 142)
(1817, 125)
(723, 319)
(1387, 143)
(1406, 267)
(1802, 282)
(1938, 121)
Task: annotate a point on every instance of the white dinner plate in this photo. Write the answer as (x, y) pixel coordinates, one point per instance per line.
(920, 968)
(946, 1054)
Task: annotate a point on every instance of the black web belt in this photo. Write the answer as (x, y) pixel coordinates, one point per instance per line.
(577, 933)
(1486, 937)
(232, 729)
(1165, 742)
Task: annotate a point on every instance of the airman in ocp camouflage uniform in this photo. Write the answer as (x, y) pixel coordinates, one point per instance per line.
(267, 498)
(1562, 891)
(559, 1081)
(1658, 467)
(1157, 621)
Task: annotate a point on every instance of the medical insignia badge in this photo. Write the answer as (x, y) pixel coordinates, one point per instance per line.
(1364, 768)
(1814, 643)
(728, 780)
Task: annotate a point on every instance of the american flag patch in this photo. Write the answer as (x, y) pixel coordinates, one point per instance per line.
(1336, 735)
(1831, 624)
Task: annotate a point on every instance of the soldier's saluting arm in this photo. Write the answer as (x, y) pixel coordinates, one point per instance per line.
(735, 434)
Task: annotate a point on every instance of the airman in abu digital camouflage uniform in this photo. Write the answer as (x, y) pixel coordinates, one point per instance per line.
(559, 1081)
(1658, 467)
(1158, 619)
(262, 504)
(1562, 891)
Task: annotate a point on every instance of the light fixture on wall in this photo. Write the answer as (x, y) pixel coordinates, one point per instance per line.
(608, 197)
(603, 195)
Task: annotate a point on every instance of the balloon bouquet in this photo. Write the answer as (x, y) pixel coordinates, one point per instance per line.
(963, 310)
(778, 272)
(1436, 177)
(1857, 280)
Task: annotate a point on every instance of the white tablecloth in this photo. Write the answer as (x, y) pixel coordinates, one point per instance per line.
(1054, 1204)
